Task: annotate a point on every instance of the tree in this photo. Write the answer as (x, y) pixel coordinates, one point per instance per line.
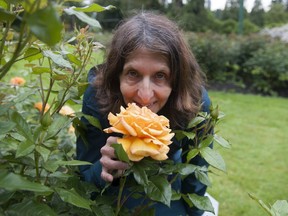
(276, 15)
(195, 17)
(231, 10)
(257, 14)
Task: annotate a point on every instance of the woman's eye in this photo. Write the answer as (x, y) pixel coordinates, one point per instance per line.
(160, 76)
(132, 74)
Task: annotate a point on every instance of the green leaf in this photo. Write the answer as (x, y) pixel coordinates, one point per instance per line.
(83, 17)
(59, 77)
(93, 121)
(120, 152)
(179, 135)
(6, 16)
(5, 196)
(221, 141)
(94, 8)
(14, 182)
(4, 108)
(44, 152)
(192, 153)
(103, 210)
(206, 142)
(175, 195)
(46, 25)
(73, 163)
(59, 122)
(202, 177)
(139, 174)
(189, 135)
(30, 207)
(3, 4)
(51, 166)
(74, 59)
(5, 127)
(72, 197)
(213, 158)
(195, 121)
(32, 54)
(201, 202)
(25, 148)
(159, 189)
(21, 125)
(186, 169)
(57, 59)
(280, 207)
(40, 70)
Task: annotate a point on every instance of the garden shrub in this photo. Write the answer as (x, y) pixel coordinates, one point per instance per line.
(254, 62)
(268, 68)
(216, 55)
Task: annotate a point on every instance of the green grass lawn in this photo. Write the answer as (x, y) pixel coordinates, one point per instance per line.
(257, 128)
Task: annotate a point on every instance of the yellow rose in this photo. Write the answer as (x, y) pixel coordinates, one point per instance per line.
(17, 81)
(67, 110)
(146, 134)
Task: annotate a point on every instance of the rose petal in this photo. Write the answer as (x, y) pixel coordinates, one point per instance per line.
(154, 132)
(139, 147)
(112, 118)
(130, 129)
(159, 157)
(126, 143)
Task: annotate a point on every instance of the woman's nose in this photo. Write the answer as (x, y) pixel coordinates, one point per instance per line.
(145, 91)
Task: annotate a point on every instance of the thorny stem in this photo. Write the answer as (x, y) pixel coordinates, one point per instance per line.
(119, 203)
(87, 57)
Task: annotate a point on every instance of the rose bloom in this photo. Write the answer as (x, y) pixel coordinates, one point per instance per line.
(67, 110)
(17, 81)
(144, 133)
(39, 106)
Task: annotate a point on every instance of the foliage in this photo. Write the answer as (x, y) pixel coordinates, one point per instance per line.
(279, 208)
(268, 68)
(276, 15)
(38, 171)
(257, 14)
(255, 62)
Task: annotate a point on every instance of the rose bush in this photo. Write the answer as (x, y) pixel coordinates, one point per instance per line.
(39, 175)
(38, 172)
(145, 133)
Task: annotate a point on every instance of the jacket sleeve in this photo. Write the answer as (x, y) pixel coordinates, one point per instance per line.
(88, 147)
(191, 184)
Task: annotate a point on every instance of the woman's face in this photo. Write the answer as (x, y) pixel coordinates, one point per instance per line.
(145, 80)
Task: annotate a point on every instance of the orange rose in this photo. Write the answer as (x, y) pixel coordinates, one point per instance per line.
(145, 133)
(17, 81)
(39, 106)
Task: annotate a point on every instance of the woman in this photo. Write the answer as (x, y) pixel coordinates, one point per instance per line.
(149, 64)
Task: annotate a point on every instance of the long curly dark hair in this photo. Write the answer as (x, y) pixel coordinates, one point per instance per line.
(160, 35)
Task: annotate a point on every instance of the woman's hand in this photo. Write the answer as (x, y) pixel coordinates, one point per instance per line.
(109, 163)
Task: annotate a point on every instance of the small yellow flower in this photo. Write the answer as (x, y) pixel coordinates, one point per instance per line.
(67, 110)
(17, 81)
(146, 134)
(39, 106)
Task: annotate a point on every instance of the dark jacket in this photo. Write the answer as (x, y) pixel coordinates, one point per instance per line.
(97, 139)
